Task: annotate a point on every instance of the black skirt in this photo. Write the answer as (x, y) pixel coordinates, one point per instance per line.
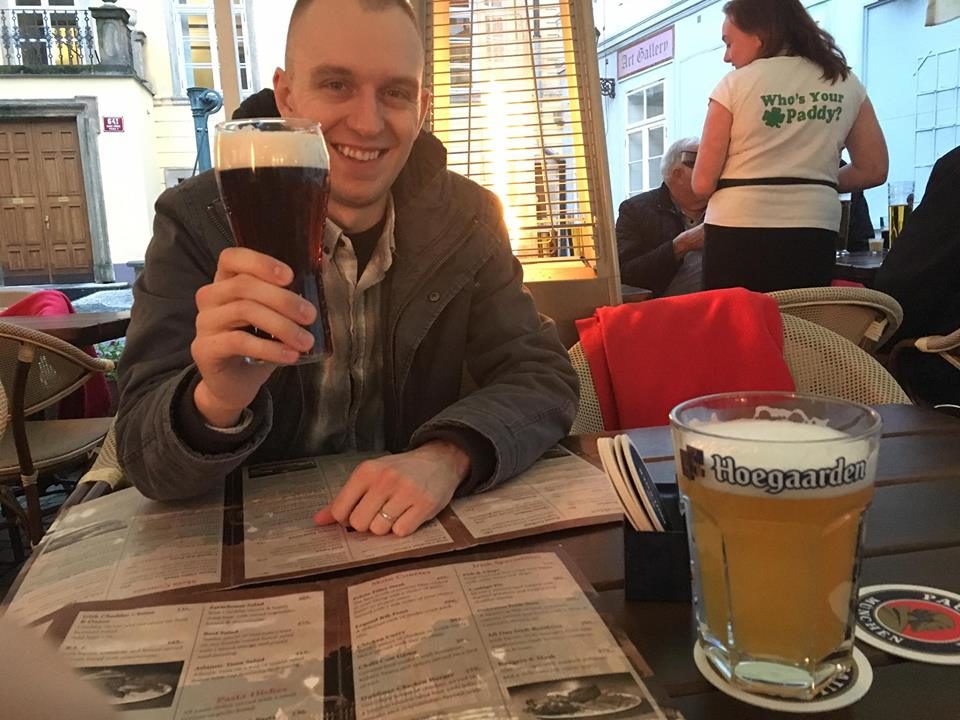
(767, 259)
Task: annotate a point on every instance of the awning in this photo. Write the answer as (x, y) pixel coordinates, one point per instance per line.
(941, 11)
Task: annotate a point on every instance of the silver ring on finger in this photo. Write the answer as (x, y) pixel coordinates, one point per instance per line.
(387, 516)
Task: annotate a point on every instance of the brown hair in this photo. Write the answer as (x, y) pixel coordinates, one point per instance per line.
(369, 5)
(785, 27)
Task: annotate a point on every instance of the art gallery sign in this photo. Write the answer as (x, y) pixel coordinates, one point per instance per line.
(645, 53)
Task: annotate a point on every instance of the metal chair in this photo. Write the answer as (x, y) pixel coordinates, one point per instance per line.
(947, 347)
(40, 370)
(867, 318)
(820, 361)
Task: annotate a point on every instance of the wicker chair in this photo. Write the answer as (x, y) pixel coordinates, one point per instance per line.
(867, 318)
(40, 370)
(820, 361)
(588, 417)
(103, 477)
(824, 363)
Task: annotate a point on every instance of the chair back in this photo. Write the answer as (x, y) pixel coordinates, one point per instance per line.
(824, 363)
(106, 468)
(867, 318)
(588, 419)
(4, 414)
(56, 368)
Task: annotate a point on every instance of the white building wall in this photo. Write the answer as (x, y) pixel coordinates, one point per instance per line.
(912, 74)
(270, 19)
(696, 68)
(885, 43)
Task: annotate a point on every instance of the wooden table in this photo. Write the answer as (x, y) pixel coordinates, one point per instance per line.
(858, 267)
(79, 329)
(913, 536)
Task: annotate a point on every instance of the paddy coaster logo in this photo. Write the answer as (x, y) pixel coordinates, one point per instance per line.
(783, 110)
(915, 622)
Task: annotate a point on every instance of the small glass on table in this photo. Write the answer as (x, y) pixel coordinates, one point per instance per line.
(273, 175)
(775, 487)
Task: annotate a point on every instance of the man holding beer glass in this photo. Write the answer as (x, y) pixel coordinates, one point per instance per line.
(419, 282)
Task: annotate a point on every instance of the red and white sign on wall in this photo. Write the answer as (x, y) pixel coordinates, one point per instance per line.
(113, 123)
(651, 50)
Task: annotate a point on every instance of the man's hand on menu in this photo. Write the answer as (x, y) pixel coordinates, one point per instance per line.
(410, 487)
(249, 289)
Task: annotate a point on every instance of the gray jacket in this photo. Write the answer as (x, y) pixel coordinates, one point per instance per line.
(455, 314)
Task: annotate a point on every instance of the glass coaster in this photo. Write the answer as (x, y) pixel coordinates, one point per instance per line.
(844, 690)
(911, 621)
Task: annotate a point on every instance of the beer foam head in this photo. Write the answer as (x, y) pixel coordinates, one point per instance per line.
(778, 458)
(248, 148)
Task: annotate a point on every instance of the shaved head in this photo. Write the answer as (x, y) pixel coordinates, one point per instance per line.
(356, 67)
(367, 5)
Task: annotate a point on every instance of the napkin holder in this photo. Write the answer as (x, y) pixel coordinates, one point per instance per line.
(657, 564)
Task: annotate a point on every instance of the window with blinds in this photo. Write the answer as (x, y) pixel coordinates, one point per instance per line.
(506, 77)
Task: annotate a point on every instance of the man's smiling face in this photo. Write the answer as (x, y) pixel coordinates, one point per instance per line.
(358, 73)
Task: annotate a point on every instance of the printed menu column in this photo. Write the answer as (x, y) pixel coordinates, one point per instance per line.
(553, 653)
(416, 649)
(230, 661)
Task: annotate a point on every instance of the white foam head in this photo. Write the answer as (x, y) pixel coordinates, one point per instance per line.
(247, 147)
(781, 458)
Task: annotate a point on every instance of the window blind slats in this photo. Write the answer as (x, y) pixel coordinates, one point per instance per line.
(507, 105)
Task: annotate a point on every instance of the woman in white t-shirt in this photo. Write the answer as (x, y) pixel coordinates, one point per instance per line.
(770, 151)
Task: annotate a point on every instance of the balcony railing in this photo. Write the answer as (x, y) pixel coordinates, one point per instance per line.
(38, 38)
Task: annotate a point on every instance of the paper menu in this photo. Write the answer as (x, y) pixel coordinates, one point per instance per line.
(507, 637)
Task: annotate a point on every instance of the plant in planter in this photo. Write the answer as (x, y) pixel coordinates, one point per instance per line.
(112, 350)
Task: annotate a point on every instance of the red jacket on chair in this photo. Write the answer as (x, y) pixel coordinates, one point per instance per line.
(647, 357)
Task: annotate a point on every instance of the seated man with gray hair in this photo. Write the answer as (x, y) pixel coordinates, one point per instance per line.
(660, 232)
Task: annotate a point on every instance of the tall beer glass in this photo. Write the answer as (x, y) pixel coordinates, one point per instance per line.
(273, 176)
(900, 206)
(775, 487)
(843, 234)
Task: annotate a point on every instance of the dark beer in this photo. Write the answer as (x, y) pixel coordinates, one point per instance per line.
(273, 177)
(279, 211)
(843, 234)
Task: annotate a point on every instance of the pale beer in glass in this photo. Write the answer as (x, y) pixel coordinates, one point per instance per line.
(900, 206)
(774, 487)
(273, 176)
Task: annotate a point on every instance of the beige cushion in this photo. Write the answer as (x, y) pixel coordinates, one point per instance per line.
(53, 442)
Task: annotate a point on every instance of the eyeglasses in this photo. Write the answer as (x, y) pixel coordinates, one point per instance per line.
(688, 158)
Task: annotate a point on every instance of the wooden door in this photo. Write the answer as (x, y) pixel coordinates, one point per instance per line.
(44, 228)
